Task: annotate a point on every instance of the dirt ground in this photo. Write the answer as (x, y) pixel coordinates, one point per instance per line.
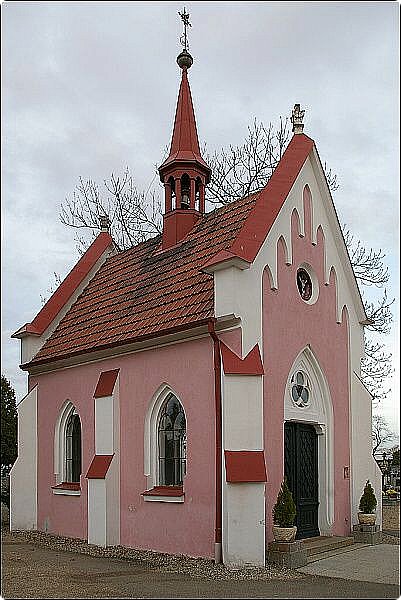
(33, 571)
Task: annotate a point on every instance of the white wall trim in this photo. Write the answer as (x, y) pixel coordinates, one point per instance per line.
(104, 425)
(64, 492)
(163, 498)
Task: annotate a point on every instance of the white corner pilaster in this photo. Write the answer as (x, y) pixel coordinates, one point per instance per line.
(104, 488)
(23, 475)
(243, 503)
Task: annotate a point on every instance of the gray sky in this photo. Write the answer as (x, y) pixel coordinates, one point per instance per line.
(89, 88)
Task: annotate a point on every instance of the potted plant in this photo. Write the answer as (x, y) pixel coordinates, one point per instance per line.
(284, 512)
(367, 506)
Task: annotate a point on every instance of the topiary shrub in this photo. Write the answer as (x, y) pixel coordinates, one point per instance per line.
(284, 511)
(368, 502)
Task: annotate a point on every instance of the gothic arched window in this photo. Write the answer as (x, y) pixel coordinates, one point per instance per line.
(172, 442)
(73, 448)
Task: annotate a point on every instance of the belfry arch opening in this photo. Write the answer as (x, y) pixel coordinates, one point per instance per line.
(185, 200)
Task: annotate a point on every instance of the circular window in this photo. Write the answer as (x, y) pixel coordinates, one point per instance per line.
(307, 283)
(300, 389)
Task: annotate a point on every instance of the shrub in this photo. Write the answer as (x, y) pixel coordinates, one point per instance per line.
(284, 511)
(368, 502)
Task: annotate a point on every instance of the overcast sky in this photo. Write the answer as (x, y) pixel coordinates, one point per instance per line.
(90, 87)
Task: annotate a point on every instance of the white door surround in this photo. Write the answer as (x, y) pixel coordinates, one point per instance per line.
(318, 411)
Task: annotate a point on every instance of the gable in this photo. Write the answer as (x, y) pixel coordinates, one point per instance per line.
(278, 197)
(238, 290)
(33, 335)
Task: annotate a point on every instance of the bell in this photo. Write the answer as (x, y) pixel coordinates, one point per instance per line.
(184, 200)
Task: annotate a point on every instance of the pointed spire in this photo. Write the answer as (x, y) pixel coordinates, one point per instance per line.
(184, 173)
(184, 141)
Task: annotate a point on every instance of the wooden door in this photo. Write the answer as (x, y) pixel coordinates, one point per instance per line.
(301, 471)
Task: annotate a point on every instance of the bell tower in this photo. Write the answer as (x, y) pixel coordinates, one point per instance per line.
(184, 173)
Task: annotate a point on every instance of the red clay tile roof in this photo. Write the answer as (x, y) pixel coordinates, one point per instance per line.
(143, 292)
(255, 229)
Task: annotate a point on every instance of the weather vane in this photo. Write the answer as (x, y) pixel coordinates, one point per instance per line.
(185, 19)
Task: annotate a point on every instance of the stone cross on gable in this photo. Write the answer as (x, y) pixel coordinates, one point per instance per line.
(297, 118)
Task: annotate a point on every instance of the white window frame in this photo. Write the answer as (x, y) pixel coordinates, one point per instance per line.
(60, 466)
(151, 455)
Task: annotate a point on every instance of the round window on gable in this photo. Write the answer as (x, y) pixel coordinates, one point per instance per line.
(300, 389)
(307, 283)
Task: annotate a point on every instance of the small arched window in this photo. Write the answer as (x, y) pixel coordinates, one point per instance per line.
(171, 183)
(185, 191)
(73, 448)
(198, 184)
(172, 442)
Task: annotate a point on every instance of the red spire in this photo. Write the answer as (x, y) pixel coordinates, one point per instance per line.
(184, 142)
(184, 173)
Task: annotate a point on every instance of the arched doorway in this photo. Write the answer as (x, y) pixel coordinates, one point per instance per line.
(308, 445)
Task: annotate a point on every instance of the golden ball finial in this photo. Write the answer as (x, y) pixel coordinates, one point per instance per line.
(184, 60)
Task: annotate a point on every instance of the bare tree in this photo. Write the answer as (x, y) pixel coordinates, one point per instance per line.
(134, 216)
(236, 173)
(371, 272)
(245, 169)
(381, 433)
(52, 287)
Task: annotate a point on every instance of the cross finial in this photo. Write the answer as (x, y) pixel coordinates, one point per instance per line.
(297, 118)
(185, 19)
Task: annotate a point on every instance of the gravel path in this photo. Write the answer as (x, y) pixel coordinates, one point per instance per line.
(31, 570)
(193, 567)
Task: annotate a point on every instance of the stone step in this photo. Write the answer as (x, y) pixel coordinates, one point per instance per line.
(330, 553)
(318, 545)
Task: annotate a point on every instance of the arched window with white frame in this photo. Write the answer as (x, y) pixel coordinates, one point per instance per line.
(68, 446)
(165, 440)
(172, 442)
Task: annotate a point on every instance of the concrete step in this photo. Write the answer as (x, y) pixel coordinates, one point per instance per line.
(330, 553)
(318, 545)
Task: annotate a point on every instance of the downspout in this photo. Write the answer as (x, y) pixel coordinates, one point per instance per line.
(218, 421)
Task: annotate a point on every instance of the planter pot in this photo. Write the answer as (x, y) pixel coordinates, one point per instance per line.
(284, 534)
(367, 518)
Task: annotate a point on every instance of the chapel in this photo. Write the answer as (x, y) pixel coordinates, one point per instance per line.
(172, 386)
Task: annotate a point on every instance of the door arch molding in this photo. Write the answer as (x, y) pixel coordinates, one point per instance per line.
(319, 413)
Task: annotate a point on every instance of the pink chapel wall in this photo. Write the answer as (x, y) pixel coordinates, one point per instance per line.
(289, 325)
(167, 527)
